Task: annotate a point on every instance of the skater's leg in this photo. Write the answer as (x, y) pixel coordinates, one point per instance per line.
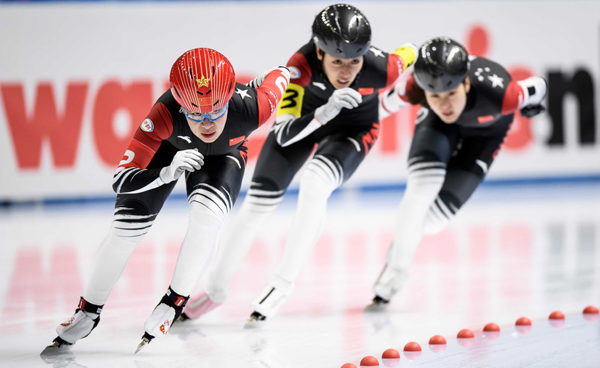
(465, 170)
(235, 244)
(432, 145)
(234, 247)
(274, 171)
(131, 222)
(305, 230)
(334, 162)
(212, 192)
(134, 215)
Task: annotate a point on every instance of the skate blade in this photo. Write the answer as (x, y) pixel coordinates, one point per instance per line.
(182, 318)
(56, 348)
(376, 308)
(253, 324)
(145, 341)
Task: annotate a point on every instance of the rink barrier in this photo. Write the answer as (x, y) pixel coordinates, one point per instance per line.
(511, 182)
(364, 189)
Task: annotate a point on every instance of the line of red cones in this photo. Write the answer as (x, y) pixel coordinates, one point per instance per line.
(437, 343)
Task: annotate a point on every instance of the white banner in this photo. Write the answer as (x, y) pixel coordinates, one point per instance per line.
(76, 79)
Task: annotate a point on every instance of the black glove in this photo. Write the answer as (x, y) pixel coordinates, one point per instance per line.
(530, 111)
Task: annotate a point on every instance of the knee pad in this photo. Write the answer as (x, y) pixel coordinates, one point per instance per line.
(132, 220)
(206, 198)
(457, 189)
(321, 177)
(263, 196)
(425, 179)
(441, 212)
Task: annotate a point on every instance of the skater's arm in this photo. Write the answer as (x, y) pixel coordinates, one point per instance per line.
(270, 87)
(131, 175)
(291, 126)
(399, 61)
(289, 129)
(398, 70)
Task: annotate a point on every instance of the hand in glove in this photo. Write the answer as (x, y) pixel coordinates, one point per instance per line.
(530, 111)
(534, 90)
(341, 98)
(187, 160)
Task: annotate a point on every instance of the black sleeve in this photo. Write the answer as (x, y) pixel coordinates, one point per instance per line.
(288, 129)
(134, 180)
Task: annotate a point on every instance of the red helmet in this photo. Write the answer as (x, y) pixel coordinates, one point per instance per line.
(202, 80)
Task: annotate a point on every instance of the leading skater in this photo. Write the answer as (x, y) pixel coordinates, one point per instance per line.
(468, 107)
(332, 101)
(198, 128)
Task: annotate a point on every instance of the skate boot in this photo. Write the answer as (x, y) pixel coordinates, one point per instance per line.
(85, 319)
(166, 312)
(198, 306)
(269, 301)
(389, 282)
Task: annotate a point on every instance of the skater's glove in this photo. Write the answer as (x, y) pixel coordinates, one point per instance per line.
(256, 82)
(530, 111)
(187, 160)
(341, 98)
(534, 92)
(392, 101)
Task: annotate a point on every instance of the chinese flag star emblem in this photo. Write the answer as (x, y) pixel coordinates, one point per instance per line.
(203, 82)
(234, 141)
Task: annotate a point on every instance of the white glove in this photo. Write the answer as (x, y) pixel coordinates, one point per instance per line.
(256, 82)
(187, 160)
(341, 98)
(391, 101)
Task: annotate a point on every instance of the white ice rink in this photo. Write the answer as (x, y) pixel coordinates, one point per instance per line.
(511, 252)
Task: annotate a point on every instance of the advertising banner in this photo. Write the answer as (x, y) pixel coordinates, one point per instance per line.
(76, 80)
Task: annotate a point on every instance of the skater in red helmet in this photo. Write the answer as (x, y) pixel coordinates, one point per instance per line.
(196, 130)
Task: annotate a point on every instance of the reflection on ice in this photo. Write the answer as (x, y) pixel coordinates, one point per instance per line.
(61, 359)
(498, 260)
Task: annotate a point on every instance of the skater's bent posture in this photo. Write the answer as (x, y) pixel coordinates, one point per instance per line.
(468, 107)
(331, 102)
(198, 128)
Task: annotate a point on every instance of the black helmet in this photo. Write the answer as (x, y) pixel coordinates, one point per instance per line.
(342, 31)
(442, 64)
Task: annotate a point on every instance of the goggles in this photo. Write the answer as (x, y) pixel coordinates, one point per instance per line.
(199, 117)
